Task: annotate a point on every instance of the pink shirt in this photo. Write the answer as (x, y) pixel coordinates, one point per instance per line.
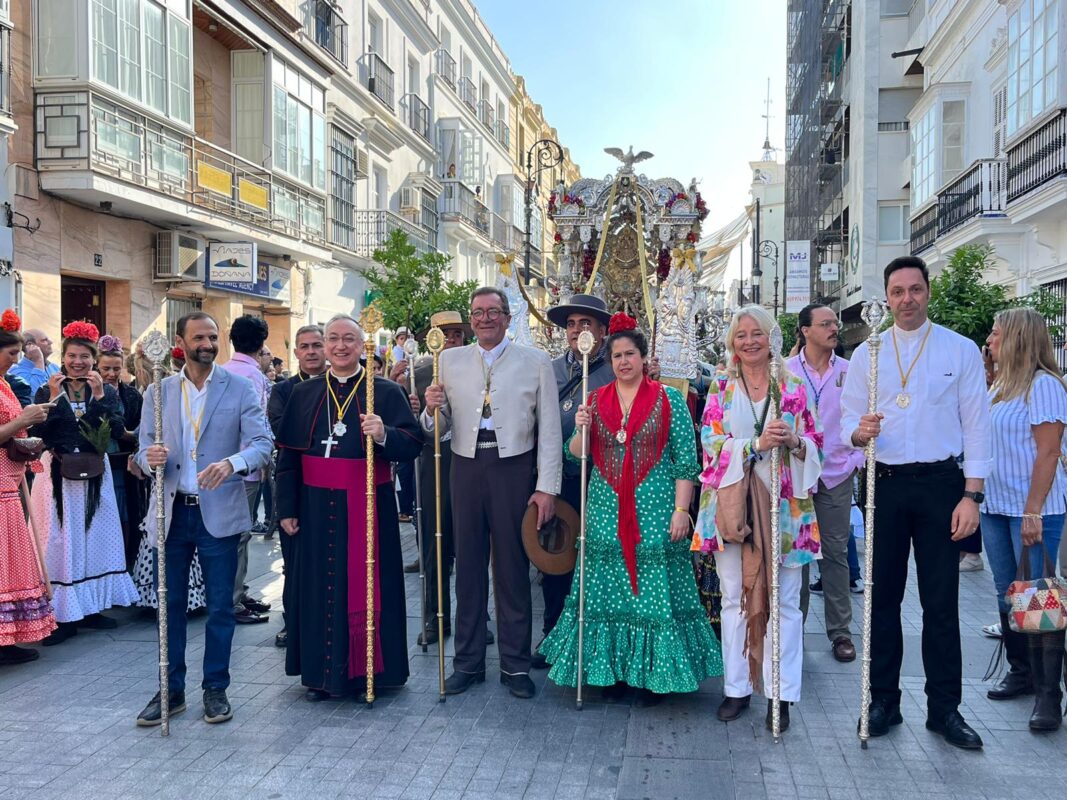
(824, 391)
(248, 367)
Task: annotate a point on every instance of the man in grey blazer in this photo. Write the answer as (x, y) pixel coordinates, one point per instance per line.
(214, 433)
(499, 399)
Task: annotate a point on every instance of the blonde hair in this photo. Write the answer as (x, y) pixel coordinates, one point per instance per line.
(1025, 352)
(766, 323)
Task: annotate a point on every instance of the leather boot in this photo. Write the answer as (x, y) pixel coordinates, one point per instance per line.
(1047, 665)
(1018, 681)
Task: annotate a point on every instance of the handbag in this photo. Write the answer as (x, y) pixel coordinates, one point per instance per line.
(80, 466)
(1038, 605)
(22, 450)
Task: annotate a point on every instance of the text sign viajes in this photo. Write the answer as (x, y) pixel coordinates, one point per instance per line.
(797, 275)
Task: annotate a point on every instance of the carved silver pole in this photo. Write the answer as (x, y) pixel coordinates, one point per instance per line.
(585, 347)
(411, 349)
(873, 315)
(155, 347)
(773, 397)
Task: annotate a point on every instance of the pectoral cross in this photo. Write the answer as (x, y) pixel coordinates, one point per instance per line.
(330, 442)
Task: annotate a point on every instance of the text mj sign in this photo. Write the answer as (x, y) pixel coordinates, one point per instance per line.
(797, 275)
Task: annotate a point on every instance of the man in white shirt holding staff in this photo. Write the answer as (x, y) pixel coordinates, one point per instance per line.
(932, 411)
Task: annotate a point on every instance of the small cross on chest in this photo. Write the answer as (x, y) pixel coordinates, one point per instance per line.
(330, 442)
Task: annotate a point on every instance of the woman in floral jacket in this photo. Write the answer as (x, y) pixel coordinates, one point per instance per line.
(738, 435)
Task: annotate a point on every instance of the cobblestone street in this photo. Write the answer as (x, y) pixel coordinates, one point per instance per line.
(67, 726)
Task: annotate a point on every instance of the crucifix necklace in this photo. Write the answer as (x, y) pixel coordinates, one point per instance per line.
(339, 428)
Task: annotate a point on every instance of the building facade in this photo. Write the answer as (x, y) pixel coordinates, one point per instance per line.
(768, 202)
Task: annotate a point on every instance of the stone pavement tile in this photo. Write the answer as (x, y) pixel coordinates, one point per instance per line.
(672, 730)
(674, 779)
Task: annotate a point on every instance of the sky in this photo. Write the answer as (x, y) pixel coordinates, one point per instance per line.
(684, 79)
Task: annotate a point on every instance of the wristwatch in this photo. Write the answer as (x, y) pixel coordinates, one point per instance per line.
(978, 497)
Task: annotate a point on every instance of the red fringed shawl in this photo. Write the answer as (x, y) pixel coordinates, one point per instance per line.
(625, 466)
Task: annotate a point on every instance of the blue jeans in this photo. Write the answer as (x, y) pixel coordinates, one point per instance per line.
(218, 560)
(1003, 540)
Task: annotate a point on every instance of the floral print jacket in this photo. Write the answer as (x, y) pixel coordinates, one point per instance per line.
(726, 458)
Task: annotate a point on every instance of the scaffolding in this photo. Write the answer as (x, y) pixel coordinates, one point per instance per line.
(818, 47)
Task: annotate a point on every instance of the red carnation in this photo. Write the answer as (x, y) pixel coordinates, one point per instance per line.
(621, 321)
(10, 321)
(177, 354)
(82, 330)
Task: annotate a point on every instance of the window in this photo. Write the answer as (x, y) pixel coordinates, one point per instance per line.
(923, 168)
(343, 163)
(893, 226)
(1000, 117)
(1033, 61)
(374, 35)
(381, 189)
(413, 76)
(299, 126)
(57, 39)
(248, 101)
(429, 217)
(155, 58)
(952, 123)
(178, 307)
(180, 70)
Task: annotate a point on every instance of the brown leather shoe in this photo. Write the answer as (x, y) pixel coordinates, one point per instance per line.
(843, 649)
(733, 707)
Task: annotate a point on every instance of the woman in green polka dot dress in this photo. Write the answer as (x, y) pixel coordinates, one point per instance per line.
(644, 624)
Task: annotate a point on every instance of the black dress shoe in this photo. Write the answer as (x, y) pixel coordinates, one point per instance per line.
(316, 695)
(429, 636)
(519, 685)
(246, 616)
(11, 654)
(489, 638)
(216, 707)
(615, 693)
(459, 682)
(880, 716)
(281, 638)
(956, 732)
(783, 716)
(1015, 684)
(153, 712)
(255, 605)
(98, 622)
(412, 568)
(732, 707)
(63, 631)
(538, 661)
(648, 699)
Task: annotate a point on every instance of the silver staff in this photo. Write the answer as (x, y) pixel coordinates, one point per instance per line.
(435, 343)
(585, 347)
(411, 349)
(155, 347)
(873, 314)
(774, 398)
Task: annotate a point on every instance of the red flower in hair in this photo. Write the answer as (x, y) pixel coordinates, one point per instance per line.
(177, 354)
(10, 321)
(621, 321)
(82, 330)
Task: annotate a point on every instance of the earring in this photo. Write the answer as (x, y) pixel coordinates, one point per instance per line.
(737, 358)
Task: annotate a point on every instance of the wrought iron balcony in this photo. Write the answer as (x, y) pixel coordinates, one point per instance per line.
(84, 131)
(446, 67)
(417, 114)
(503, 133)
(486, 115)
(981, 190)
(1038, 158)
(468, 94)
(379, 78)
(372, 230)
(924, 229)
(329, 29)
(458, 202)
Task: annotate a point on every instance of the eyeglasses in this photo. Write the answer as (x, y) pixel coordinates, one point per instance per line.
(491, 314)
(348, 341)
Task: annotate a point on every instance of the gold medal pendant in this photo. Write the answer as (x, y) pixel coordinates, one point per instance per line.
(903, 400)
(620, 437)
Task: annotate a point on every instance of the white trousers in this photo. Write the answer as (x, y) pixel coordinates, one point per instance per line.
(736, 681)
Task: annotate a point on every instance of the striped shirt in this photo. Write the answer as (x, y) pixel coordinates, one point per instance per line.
(1014, 449)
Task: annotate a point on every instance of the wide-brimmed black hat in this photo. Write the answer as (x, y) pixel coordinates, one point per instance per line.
(580, 304)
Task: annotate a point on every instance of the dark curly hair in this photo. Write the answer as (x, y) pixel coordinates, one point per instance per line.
(247, 334)
(634, 335)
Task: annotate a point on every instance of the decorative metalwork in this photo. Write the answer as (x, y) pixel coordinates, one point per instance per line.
(769, 249)
(543, 154)
(435, 343)
(586, 343)
(411, 350)
(774, 397)
(371, 322)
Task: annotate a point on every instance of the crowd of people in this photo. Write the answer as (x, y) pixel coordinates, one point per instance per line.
(678, 550)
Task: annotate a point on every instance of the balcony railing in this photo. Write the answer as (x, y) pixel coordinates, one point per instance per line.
(508, 236)
(372, 230)
(80, 130)
(330, 30)
(468, 94)
(418, 115)
(1038, 158)
(981, 190)
(458, 202)
(446, 67)
(924, 229)
(379, 78)
(486, 115)
(503, 133)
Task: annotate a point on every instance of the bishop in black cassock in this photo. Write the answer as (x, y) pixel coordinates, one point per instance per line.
(321, 482)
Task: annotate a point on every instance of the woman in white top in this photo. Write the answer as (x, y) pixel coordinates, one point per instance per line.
(1026, 495)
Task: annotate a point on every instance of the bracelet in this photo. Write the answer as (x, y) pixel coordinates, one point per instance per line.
(1037, 517)
(680, 510)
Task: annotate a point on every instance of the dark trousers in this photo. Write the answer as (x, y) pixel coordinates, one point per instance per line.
(555, 588)
(405, 474)
(427, 525)
(496, 492)
(218, 560)
(914, 509)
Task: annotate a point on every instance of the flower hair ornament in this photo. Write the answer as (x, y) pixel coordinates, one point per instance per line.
(10, 321)
(621, 321)
(82, 330)
(110, 344)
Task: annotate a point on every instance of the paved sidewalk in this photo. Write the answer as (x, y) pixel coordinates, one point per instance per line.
(67, 728)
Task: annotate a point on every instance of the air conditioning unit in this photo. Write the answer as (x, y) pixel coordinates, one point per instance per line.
(179, 257)
(410, 198)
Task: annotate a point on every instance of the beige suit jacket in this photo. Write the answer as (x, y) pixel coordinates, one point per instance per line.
(522, 393)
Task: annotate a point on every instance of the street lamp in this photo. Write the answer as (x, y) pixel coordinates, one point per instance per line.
(549, 154)
(769, 249)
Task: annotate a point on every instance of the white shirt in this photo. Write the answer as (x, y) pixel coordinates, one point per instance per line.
(488, 358)
(187, 483)
(948, 415)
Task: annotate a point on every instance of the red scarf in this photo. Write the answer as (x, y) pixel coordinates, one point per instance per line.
(625, 466)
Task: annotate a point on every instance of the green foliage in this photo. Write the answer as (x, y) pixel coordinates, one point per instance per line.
(788, 324)
(408, 288)
(962, 300)
(99, 437)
